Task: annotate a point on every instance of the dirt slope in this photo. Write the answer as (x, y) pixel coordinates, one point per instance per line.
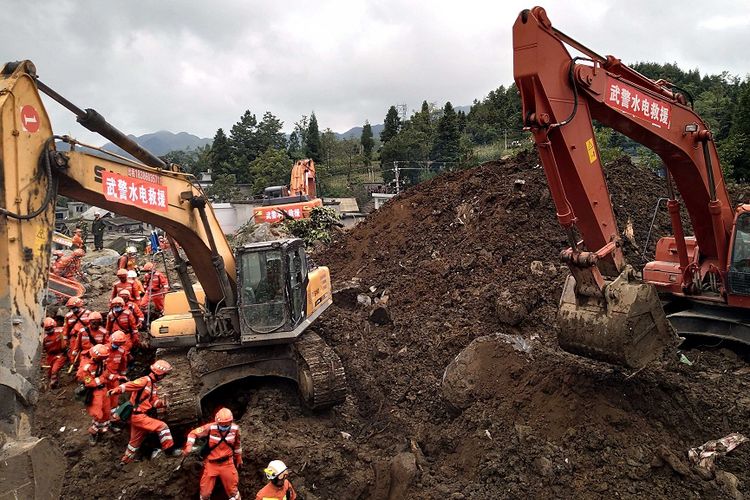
(458, 257)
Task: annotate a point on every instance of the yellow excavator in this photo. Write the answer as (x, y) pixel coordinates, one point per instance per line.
(248, 315)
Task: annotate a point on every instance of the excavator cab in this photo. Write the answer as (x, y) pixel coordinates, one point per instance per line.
(273, 278)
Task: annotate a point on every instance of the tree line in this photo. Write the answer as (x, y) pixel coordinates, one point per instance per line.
(257, 153)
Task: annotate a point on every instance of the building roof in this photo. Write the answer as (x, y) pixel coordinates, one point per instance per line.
(345, 204)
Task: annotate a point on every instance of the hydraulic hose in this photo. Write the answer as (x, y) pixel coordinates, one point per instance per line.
(44, 162)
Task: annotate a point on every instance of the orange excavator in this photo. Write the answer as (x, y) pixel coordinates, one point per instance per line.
(697, 285)
(248, 315)
(293, 202)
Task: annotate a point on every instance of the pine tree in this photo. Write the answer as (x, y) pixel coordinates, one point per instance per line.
(270, 134)
(312, 143)
(221, 154)
(367, 142)
(448, 139)
(391, 126)
(293, 149)
(244, 142)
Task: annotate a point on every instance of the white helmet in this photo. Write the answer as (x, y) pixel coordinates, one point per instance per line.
(274, 469)
(130, 250)
(132, 274)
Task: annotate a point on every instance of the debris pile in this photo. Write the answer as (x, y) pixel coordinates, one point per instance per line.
(457, 386)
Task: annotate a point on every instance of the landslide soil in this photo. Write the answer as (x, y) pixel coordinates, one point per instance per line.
(541, 423)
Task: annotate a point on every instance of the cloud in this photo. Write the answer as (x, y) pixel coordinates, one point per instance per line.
(196, 66)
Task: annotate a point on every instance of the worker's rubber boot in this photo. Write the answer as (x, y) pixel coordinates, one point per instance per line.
(174, 452)
(93, 439)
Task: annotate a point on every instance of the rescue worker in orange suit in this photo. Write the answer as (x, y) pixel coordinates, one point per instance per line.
(77, 239)
(145, 399)
(54, 347)
(122, 318)
(156, 285)
(138, 289)
(127, 260)
(122, 283)
(93, 374)
(223, 455)
(130, 304)
(117, 364)
(76, 319)
(92, 334)
(69, 266)
(278, 487)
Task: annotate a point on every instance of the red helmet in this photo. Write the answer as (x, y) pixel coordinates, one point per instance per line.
(99, 351)
(124, 293)
(49, 323)
(117, 301)
(122, 272)
(224, 416)
(74, 302)
(95, 316)
(79, 252)
(118, 337)
(161, 367)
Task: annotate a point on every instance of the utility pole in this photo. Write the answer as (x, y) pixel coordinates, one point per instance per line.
(505, 138)
(395, 172)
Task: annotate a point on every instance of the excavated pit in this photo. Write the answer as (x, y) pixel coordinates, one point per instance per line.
(469, 265)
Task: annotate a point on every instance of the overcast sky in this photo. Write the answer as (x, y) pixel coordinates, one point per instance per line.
(195, 66)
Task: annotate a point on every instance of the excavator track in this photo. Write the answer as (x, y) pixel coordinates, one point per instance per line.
(321, 377)
(181, 389)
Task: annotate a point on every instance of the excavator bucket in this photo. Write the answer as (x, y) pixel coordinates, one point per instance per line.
(31, 469)
(627, 327)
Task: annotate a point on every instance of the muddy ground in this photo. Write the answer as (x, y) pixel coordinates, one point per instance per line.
(469, 259)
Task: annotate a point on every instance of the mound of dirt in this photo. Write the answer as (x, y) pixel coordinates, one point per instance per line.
(464, 265)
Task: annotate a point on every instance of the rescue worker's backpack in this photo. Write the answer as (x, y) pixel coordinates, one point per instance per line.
(125, 410)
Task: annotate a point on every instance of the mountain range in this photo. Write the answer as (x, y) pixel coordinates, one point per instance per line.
(163, 141)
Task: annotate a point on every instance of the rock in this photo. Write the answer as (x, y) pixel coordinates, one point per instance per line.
(537, 268)
(103, 258)
(403, 472)
(666, 456)
(364, 300)
(509, 308)
(543, 465)
(380, 315)
(728, 483)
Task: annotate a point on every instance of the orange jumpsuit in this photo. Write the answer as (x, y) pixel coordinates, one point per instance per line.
(273, 492)
(126, 262)
(67, 267)
(93, 374)
(125, 321)
(123, 285)
(225, 455)
(77, 241)
(138, 290)
(137, 312)
(117, 365)
(88, 338)
(54, 347)
(141, 424)
(72, 326)
(158, 285)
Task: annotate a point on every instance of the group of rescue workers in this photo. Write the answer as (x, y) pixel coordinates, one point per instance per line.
(101, 347)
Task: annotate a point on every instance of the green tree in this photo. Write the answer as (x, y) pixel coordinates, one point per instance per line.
(328, 147)
(391, 126)
(294, 150)
(312, 140)
(271, 168)
(220, 158)
(245, 145)
(737, 147)
(367, 142)
(269, 132)
(223, 189)
(447, 144)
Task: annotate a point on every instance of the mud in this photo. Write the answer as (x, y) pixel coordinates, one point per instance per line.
(469, 259)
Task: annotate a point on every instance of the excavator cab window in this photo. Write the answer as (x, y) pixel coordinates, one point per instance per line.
(297, 280)
(739, 270)
(263, 306)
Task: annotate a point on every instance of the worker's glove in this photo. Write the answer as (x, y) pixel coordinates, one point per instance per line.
(74, 353)
(238, 463)
(100, 386)
(110, 393)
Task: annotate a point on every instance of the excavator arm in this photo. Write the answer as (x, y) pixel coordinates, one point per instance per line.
(604, 313)
(33, 171)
